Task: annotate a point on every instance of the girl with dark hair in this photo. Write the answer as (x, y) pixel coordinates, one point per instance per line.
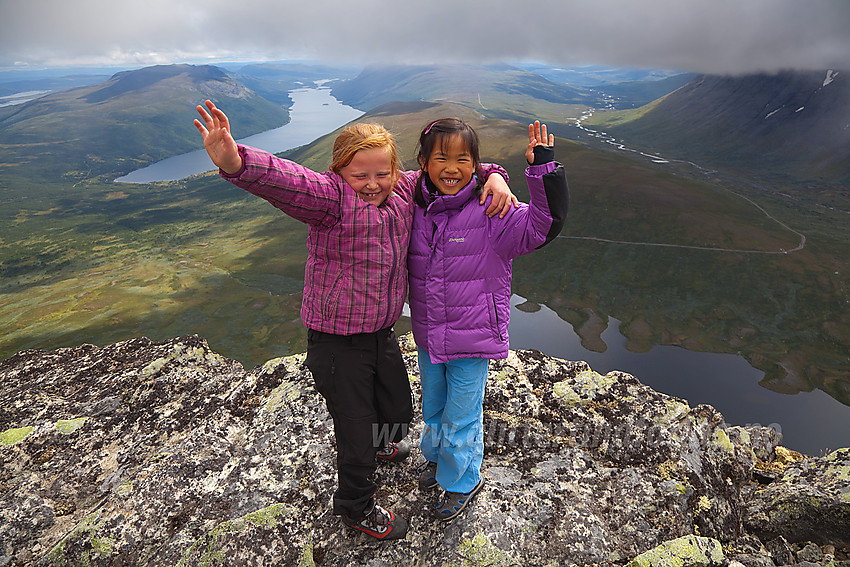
(459, 267)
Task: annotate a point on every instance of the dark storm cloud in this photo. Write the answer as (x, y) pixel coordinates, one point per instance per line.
(715, 36)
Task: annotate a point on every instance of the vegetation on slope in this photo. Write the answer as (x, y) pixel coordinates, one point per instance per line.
(793, 125)
(132, 120)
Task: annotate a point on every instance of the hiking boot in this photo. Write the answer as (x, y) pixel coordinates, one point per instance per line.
(452, 503)
(380, 523)
(428, 476)
(394, 452)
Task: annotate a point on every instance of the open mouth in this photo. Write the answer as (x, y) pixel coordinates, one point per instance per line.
(449, 182)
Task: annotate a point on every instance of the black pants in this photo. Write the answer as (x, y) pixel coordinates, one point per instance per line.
(365, 385)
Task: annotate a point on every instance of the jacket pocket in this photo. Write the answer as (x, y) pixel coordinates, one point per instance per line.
(495, 324)
(329, 305)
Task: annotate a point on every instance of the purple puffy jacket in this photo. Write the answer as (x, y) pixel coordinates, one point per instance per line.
(459, 265)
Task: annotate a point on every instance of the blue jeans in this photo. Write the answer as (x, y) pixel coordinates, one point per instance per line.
(453, 412)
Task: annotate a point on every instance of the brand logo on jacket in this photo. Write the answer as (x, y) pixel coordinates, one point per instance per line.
(456, 239)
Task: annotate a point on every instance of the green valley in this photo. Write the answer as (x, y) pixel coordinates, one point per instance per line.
(708, 262)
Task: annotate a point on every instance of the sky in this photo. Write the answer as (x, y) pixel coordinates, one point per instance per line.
(707, 36)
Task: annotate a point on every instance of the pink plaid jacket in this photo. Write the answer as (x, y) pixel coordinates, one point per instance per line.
(355, 280)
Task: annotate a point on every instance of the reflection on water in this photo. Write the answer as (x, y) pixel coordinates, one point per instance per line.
(314, 113)
(811, 422)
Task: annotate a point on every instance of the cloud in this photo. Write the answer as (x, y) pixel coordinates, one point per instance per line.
(713, 36)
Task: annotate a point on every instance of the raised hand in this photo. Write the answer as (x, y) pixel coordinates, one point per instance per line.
(220, 145)
(537, 136)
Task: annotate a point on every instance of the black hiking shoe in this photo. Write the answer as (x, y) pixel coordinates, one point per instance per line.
(428, 476)
(452, 503)
(380, 523)
(394, 452)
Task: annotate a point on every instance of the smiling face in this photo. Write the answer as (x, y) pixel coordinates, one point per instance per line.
(370, 174)
(450, 166)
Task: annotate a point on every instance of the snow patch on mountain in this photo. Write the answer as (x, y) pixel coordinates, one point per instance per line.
(830, 76)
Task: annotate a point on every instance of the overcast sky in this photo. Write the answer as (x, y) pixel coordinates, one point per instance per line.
(712, 36)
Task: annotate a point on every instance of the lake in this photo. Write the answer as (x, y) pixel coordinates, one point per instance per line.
(314, 113)
(811, 422)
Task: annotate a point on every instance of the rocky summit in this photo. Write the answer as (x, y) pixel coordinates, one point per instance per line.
(145, 453)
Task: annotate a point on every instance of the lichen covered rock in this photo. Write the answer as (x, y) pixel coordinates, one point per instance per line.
(685, 551)
(809, 502)
(144, 453)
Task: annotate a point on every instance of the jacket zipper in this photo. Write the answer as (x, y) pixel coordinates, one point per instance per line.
(394, 250)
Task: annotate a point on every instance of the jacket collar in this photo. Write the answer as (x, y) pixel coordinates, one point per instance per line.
(451, 202)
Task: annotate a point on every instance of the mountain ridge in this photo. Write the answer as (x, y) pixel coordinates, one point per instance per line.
(130, 120)
(490, 89)
(791, 123)
(127, 81)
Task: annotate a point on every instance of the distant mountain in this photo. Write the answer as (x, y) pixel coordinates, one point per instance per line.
(633, 94)
(790, 124)
(502, 141)
(300, 72)
(274, 80)
(131, 120)
(619, 87)
(595, 75)
(493, 90)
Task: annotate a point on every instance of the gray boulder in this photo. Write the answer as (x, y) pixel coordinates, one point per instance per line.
(810, 501)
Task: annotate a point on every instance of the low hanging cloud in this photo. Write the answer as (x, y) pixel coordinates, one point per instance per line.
(711, 36)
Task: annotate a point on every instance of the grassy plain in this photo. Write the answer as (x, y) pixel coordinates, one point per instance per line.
(159, 260)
